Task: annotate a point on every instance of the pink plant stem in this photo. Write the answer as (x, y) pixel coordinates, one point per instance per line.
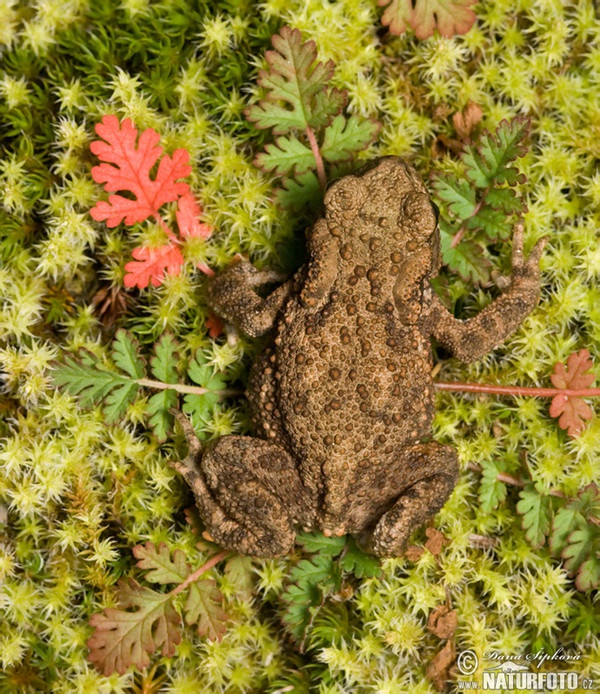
(213, 561)
(314, 145)
(516, 390)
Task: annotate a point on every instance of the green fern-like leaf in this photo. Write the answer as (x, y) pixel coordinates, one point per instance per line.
(288, 155)
(199, 406)
(164, 362)
(298, 93)
(125, 354)
(492, 492)
(311, 580)
(479, 207)
(302, 108)
(489, 162)
(92, 383)
(344, 137)
(535, 509)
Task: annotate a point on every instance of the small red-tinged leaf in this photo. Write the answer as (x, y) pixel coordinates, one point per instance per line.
(435, 541)
(588, 576)
(214, 325)
(161, 567)
(151, 265)
(449, 17)
(438, 670)
(204, 608)
(414, 552)
(573, 376)
(464, 122)
(572, 410)
(127, 165)
(188, 218)
(125, 637)
(442, 622)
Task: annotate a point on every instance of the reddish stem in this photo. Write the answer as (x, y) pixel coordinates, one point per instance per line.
(516, 390)
(213, 561)
(314, 145)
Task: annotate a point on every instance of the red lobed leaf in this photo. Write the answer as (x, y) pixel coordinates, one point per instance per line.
(572, 410)
(449, 17)
(151, 264)
(188, 218)
(127, 167)
(574, 376)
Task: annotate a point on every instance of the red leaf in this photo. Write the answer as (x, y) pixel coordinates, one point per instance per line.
(188, 218)
(449, 17)
(572, 410)
(573, 376)
(151, 264)
(128, 169)
(214, 325)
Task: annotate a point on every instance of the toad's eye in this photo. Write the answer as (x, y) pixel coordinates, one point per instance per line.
(418, 215)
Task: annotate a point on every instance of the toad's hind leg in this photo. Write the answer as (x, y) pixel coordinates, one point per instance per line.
(248, 492)
(436, 472)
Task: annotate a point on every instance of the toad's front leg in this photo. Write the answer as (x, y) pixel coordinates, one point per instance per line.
(247, 491)
(471, 339)
(232, 294)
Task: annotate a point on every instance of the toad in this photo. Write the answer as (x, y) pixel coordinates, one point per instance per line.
(342, 397)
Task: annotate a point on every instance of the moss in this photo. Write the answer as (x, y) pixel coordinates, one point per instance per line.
(76, 495)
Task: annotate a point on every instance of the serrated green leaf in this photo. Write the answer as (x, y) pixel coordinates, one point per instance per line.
(297, 612)
(312, 580)
(587, 501)
(125, 350)
(588, 576)
(286, 155)
(565, 521)
(535, 509)
(317, 542)
(466, 258)
(85, 378)
(204, 607)
(488, 161)
(344, 137)
(300, 192)
(203, 374)
(116, 402)
(579, 547)
(161, 420)
(199, 406)
(458, 194)
(239, 571)
(504, 199)
(161, 567)
(355, 561)
(494, 223)
(491, 491)
(297, 87)
(164, 362)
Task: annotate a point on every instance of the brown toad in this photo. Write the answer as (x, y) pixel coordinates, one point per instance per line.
(342, 397)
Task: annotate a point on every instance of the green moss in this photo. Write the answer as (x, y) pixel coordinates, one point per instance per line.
(76, 495)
